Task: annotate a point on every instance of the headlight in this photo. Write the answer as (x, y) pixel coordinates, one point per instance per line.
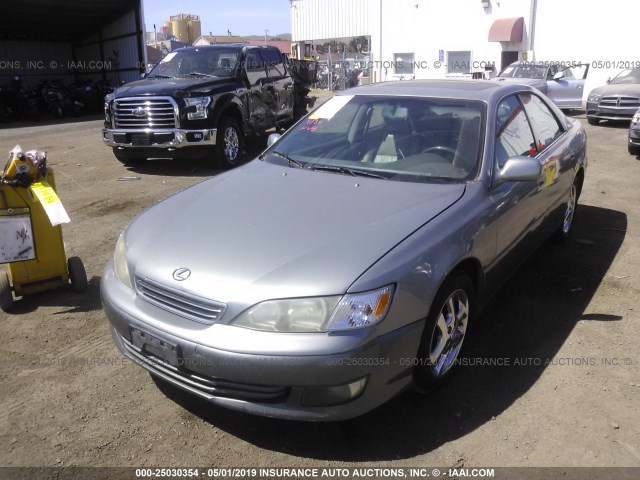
(107, 106)
(321, 314)
(201, 104)
(120, 262)
(636, 118)
(290, 315)
(594, 97)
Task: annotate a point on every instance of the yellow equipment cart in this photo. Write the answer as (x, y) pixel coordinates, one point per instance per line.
(30, 234)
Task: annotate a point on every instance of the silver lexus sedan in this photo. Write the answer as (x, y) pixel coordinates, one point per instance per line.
(347, 262)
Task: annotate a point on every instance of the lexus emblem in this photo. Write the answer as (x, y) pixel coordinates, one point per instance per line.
(181, 274)
(139, 112)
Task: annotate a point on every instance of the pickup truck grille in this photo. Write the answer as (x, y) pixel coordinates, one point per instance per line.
(189, 306)
(620, 101)
(143, 113)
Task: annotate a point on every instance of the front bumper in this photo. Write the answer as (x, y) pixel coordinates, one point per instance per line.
(169, 139)
(609, 113)
(280, 386)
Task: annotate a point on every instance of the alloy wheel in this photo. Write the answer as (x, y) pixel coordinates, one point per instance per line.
(449, 332)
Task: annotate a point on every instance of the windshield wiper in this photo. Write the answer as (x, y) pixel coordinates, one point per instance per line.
(200, 74)
(292, 161)
(346, 171)
(158, 76)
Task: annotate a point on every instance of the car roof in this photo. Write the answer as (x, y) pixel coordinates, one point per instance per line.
(481, 90)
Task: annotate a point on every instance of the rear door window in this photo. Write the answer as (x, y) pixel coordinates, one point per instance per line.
(545, 125)
(513, 132)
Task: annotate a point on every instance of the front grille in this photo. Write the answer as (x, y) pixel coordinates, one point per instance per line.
(153, 112)
(620, 101)
(184, 304)
(209, 386)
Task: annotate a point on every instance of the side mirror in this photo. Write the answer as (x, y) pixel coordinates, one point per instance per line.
(558, 75)
(518, 169)
(609, 80)
(273, 138)
(143, 76)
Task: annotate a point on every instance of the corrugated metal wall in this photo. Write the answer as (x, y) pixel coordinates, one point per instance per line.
(114, 52)
(33, 61)
(326, 19)
(116, 47)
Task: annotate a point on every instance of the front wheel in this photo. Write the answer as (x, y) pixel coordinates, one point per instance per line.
(593, 121)
(444, 331)
(634, 150)
(229, 142)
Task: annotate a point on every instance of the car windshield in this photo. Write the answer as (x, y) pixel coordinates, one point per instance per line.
(627, 76)
(524, 71)
(396, 138)
(219, 62)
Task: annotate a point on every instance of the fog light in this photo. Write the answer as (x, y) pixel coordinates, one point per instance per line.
(336, 395)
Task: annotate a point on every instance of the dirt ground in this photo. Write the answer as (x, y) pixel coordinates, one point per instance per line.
(552, 379)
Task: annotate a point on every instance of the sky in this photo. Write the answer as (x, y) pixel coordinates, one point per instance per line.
(242, 17)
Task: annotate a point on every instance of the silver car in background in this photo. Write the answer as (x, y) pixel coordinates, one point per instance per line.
(562, 84)
(618, 100)
(346, 263)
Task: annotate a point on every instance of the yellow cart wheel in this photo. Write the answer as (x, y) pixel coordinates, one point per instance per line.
(77, 274)
(6, 297)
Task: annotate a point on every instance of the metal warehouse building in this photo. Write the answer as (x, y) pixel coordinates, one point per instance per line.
(448, 38)
(72, 39)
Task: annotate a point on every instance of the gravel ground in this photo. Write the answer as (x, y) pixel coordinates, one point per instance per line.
(552, 377)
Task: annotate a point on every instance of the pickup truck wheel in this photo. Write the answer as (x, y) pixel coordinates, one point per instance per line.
(593, 121)
(229, 142)
(127, 160)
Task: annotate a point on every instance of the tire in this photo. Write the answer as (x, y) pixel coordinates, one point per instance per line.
(593, 121)
(6, 297)
(633, 150)
(569, 214)
(127, 160)
(444, 332)
(229, 143)
(77, 274)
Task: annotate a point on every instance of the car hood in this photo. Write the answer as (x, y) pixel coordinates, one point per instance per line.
(618, 89)
(176, 87)
(265, 231)
(540, 84)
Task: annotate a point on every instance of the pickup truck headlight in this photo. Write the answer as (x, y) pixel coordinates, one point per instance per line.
(201, 104)
(120, 262)
(594, 97)
(107, 106)
(319, 314)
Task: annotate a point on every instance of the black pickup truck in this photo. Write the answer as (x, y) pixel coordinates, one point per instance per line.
(205, 102)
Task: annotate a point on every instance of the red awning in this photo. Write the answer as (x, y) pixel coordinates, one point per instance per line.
(507, 30)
